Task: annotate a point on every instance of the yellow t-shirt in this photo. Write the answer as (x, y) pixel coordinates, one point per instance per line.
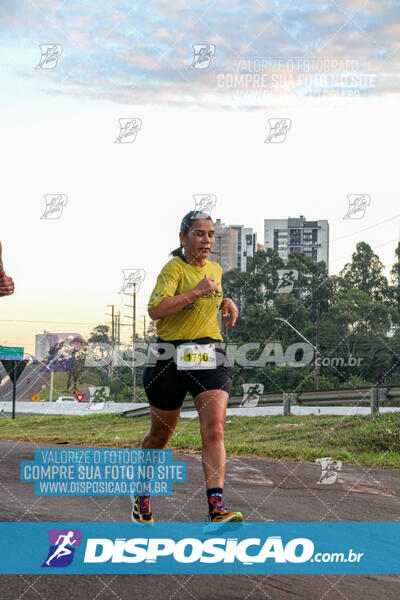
(199, 318)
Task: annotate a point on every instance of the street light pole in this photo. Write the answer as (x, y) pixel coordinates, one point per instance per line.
(316, 348)
(317, 351)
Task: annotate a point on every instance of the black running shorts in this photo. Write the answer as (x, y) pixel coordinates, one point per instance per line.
(166, 386)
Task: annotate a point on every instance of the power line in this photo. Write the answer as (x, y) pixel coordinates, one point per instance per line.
(60, 322)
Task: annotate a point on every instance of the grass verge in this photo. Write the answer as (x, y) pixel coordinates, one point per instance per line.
(372, 440)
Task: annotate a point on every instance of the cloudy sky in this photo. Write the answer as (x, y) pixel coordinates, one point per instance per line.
(331, 69)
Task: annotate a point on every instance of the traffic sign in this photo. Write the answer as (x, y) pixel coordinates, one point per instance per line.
(35, 397)
(14, 368)
(11, 353)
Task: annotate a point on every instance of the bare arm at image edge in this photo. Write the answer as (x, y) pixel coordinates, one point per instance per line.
(6, 283)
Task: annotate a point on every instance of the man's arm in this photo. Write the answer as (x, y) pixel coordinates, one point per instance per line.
(6, 283)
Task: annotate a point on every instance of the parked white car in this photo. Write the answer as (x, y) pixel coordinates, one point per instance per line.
(67, 399)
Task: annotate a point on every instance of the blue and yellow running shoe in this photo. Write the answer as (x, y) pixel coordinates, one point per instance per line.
(219, 516)
(141, 512)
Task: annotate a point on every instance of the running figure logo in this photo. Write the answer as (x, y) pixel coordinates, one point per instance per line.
(330, 470)
(357, 205)
(251, 394)
(202, 55)
(50, 55)
(278, 129)
(55, 203)
(63, 543)
(98, 397)
(128, 129)
(131, 277)
(287, 277)
(204, 202)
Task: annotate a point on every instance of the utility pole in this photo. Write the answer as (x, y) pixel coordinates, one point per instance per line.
(317, 350)
(110, 373)
(117, 330)
(144, 327)
(133, 317)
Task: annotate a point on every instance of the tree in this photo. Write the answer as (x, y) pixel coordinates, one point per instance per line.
(395, 280)
(100, 334)
(365, 272)
(78, 366)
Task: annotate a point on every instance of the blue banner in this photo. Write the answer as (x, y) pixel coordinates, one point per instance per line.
(103, 472)
(239, 548)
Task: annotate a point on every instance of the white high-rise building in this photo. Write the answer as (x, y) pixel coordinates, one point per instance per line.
(247, 246)
(287, 235)
(225, 246)
(42, 345)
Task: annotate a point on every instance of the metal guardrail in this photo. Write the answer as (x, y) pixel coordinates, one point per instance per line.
(373, 397)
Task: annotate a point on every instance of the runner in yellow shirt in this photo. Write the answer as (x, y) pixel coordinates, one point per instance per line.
(185, 304)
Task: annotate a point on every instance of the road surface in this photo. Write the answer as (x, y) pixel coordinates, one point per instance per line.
(262, 489)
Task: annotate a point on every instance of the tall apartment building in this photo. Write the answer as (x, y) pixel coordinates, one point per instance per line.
(42, 345)
(247, 246)
(234, 246)
(287, 235)
(225, 246)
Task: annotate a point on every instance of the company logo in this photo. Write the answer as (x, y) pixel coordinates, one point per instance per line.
(50, 55)
(251, 394)
(278, 129)
(202, 55)
(132, 280)
(128, 129)
(98, 397)
(287, 277)
(329, 470)
(191, 550)
(63, 543)
(205, 202)
(55, 203)
(358, 204)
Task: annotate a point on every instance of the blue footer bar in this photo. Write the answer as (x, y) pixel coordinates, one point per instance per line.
(239, 548)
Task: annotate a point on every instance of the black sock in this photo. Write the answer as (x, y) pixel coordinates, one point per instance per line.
(214, 496)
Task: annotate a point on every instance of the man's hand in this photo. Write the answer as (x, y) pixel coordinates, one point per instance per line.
(229, 308)
(6, 284)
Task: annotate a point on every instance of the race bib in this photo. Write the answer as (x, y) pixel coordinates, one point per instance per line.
(196, 356)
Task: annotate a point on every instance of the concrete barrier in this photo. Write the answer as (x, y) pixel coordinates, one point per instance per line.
(68, 408)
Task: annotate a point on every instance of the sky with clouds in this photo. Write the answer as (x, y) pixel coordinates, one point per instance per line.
(332, 68)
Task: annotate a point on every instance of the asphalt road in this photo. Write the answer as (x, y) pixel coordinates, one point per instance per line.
(261, 489)
(32, 379)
